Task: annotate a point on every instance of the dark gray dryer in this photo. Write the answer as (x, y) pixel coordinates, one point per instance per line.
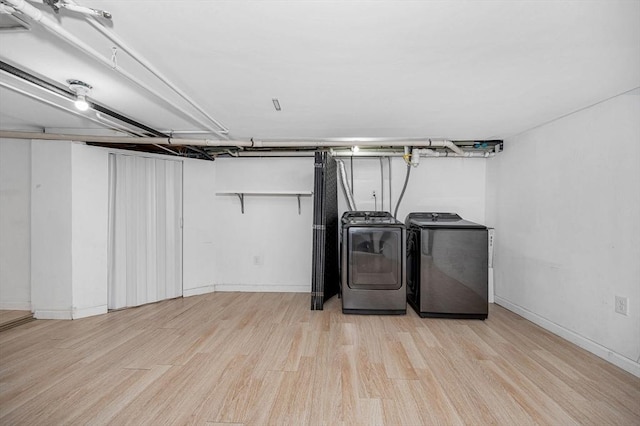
(373, 273)
(447, 266)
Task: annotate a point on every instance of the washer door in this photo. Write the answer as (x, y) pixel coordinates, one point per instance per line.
(375, 258)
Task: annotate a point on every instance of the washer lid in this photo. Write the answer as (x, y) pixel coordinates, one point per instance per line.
(440, 220)
(369, 218)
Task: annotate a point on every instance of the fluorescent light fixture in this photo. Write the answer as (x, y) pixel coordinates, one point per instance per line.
(81, 89)
(276, 104)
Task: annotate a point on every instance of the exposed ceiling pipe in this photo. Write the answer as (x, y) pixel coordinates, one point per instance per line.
(149, 67)
(404, 188)
(200, 151)
(476, 154)
(56, 5)
(185, 132)
(361, 143)
(237, 143)
(361, 155)
(58, 106)
(121, 139)
(259, 154)
(6, 10)
(114, 125)
(164, 148)
(346, 189)
(36, 15)
(390, 182)
(381, 184)
(66, 94)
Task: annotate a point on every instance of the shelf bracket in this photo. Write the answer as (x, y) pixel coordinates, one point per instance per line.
(241, 197)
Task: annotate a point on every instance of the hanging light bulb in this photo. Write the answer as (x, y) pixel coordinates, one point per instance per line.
(355, 148)
(81, 103)
(81, 89)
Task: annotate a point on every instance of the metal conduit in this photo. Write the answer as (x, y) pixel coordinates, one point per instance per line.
(225, 143)
(36, 15)
(68, 95)
(365, 143)
(121, 139)
(149, 67)
(52, 104)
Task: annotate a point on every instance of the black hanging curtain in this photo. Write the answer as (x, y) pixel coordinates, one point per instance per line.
(325, 280)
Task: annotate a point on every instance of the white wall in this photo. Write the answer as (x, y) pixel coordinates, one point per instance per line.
(71, 229)
(565, 202)
(89, 217)
(68, 229)
(51, 273)
(437, 184)
(268, 248)
(200, 215)
(15, 224)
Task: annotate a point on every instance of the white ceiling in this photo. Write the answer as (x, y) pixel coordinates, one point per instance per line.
(460, 70)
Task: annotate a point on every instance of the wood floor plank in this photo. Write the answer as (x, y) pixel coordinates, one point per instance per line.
(21, 388)
(113, 400)
(396, 362)
(7, 315)
(256, 359)
(535, 402)
(440, 410)
(373, 381)
(370, 412)
(326, 401)
(625, 397)
(10, 319)
(465, 389)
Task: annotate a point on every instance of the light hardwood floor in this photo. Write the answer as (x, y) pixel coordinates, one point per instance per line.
(10, 319)
(256, 358)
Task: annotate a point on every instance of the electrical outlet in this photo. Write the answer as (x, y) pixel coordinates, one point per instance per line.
(622, 305)
(373, 193)
(257, 260)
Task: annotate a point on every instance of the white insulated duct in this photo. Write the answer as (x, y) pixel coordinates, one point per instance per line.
(348, 193)
(33, 13)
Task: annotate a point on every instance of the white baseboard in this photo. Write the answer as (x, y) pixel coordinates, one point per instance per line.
(15, 306)
(59, 314)
(89, 312)
(607, 354)
(264, 288)
(187, 292)
(68, 314)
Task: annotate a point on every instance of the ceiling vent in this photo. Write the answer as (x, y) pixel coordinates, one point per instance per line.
(11, 23)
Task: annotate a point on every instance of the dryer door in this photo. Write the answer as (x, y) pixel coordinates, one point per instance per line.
(375, 258)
